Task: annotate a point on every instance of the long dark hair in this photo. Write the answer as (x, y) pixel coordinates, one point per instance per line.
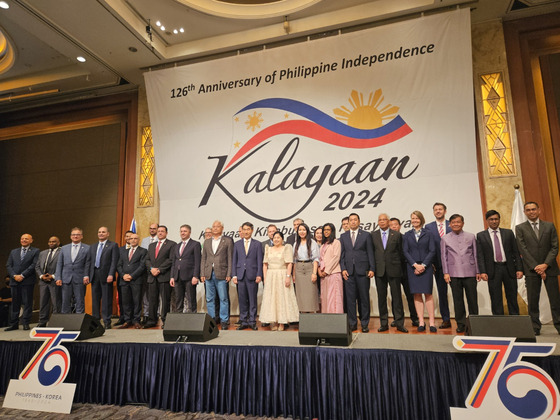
(307, 240)
(329, 239)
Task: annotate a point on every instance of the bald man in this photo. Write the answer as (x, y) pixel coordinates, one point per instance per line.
(21, 269)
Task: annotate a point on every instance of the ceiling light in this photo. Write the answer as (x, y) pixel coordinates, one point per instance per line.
(158, 23)
(175, 31)
(81, 59)
(4, 5)
(181, 30)
(162, 28)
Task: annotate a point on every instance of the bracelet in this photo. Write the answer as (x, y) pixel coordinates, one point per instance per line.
(288, 275)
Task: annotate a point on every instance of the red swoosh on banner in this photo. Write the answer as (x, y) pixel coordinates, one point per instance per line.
(317, 132)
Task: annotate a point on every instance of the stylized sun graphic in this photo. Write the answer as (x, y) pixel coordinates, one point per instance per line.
(366, 116)
(254, 121)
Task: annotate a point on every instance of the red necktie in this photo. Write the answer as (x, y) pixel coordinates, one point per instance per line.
(158, 246)
(130, 254)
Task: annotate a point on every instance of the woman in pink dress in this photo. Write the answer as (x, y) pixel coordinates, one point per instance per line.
(330, 273)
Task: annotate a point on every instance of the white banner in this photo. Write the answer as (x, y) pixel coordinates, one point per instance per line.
(379, 120)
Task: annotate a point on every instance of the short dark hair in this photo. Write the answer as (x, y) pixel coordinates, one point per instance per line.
(456, 216)
(129, 231)
(278, 233)
(439, 204)
(163, 226)
(186, 226)
(249, 224)
(354, 214)
(392, 219)
(491, 213)
(530, 202)
(344, 218)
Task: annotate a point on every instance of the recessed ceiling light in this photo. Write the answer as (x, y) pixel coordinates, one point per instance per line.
(4, 5)
(162, 28)
(158, 23)
(181, 30)
(81, 59)
(175, 31)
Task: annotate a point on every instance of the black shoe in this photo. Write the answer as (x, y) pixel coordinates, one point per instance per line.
(12, 328)
(225, 326)
(108, 326)
(416, 323)
(365, 329)
(265, 324)
(119, 322)
(237, 323)
(26, 327)
(460, 330)
(383, 328)
(445, 324)
(242, 327)
(421, 328)
(41, 325)
(393, 324)
(433, 329)
(402, 329)
(254, 327)
(149, 324)
(353, 327)
(537, 332)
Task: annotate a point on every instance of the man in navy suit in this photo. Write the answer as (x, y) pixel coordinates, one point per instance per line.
(159, 264)
(132, 275)
(50, 295)
(185, 270)
(104, 256)
(247, 269)
(72, 272)
(21, 269)
(438, 228)
(358, 266)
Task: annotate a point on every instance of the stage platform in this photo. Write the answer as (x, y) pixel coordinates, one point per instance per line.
(266, 373)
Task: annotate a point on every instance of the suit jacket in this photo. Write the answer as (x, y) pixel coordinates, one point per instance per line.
(422, 251)
(358, 258)
(25, 267)
(146, 242)
(486, 252)
(136, 267)
(220, 261)
(388, 260)
(73, 272)
(42, 260)
(538, 251)
(185, 266)
(248, 265)
(107, 262)
(291, 239)
(163, 261)
(459, 254)
(432, 228)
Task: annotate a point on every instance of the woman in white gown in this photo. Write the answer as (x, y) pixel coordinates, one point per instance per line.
(279, 304)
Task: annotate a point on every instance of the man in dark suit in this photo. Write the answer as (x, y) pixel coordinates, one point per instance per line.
(499, 263)
(50, 295)
(104, 256)
(292, 238)
(247, 269)
(270, 230)
(438, 228)
(21, 269)
(215, 271)
(72, 272)
(387, 246)
(132, 275)
(358, 266)
(538, 244)
(185, 270)
(159, 265)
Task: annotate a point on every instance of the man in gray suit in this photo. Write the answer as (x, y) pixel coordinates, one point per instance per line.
(537, 241)
(50, 294)
(72, 272)
(215, 270)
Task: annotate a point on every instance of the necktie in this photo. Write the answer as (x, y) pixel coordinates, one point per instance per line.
(98, 256)
(384, 240)
(49, 257)
(74, 252)
(497, 248)
(22, 254)
(353, 238)
(440, 230)
(182, 248)
(158, 246)
(130, 253)
(536, 229)
(246, 246)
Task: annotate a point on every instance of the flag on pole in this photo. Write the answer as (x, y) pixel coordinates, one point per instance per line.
(133, 225)
(517, 214)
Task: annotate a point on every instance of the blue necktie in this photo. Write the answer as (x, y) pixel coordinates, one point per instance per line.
(22, 254)
(98, 256)
(384, 240)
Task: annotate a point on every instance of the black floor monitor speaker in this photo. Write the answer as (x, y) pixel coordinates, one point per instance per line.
(518, 326)
(189, 327)
(324, 330)
(88, 326)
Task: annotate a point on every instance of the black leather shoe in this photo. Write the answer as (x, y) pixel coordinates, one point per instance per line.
(41, 325)
(12, 328)
(402, 329)
(254, 327)
(242, 327)
(445, 324)
(119, 322)
(149, 325)
(26, 327)
(460, 330)
(365, 329)
(416, 323)
(265, 324)
(108, 326)
(225, 326)
(383, 328)
(421, 328)
(237, 323)
(537, 332)
(433, 329)
(353, 327)
(393, 324)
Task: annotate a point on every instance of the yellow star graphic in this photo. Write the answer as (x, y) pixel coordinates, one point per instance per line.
(236, 145)
(286, 115)
(236, 119)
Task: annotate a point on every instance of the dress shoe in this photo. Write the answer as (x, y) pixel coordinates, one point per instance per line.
(120, 322)
(137, 326)
(108, 326)
(242, 327)
(433, 329)
(254, 327)
(402, 329)
(125, 325)
(537, 332)
(393, 324)
(445, 324)
(353, 327)
(237, 323)
(26, 327)
(416, 323)
(421, 328)
(149, 325)
(41, 325)
(265, 324)
(225, 326)
(12, 328)
(383, 328)
(365, 329)
(460, 330)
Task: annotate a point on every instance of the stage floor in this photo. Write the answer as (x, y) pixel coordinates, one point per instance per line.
(442, 341)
